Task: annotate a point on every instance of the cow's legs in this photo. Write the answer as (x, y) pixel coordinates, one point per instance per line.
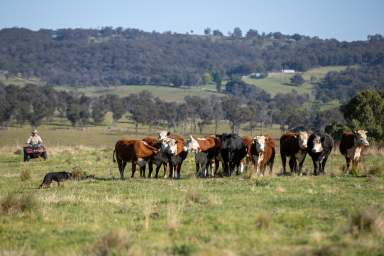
(150, 168)
(301, 165)
(178, 170)
(270, 164)
(121, 164)
(142, 171)
(170, 175)
(158, 166)
(262, 168)
(292, 164)
(165, 169)
(316, 167)
(133, 169)
(216, 166)
(322, 170)
(348, 161)
(197, 169)
(284, 162)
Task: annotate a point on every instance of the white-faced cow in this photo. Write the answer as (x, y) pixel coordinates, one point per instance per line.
(263, 153)
(319, 147)
(294, 146)
(206, 154)
(174, 144)
(248, 141)
(135, 151)
(351, 145)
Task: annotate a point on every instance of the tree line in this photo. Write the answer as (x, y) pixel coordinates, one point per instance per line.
(117, 56)
(36, 104)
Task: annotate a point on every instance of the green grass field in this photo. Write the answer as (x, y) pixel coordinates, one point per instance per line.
(278, 82)
(335, 214)
(164, 92)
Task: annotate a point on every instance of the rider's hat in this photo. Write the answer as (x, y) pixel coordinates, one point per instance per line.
(34, 131)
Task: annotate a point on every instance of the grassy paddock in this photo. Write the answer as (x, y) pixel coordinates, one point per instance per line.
(60, 133)
(334, 214)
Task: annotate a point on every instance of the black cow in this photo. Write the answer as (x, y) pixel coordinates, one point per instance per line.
(232, 151)
(175, 164)
(319, 147)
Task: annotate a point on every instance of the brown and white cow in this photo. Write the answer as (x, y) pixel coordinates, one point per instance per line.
(206, 154)
(174, 144)
(263, 153)
(294, 146)
(351, 145)
(135, 151)
(248, 141)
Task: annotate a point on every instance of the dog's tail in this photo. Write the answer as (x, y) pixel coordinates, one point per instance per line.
(113, 155)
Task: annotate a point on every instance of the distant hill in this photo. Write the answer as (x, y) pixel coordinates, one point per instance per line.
(108, 56)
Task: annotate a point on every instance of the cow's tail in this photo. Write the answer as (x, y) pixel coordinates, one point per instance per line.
(113, 156)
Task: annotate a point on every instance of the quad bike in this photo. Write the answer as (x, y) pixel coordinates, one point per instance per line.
(34, 151)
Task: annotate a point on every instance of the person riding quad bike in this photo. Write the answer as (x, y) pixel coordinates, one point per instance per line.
(34, 147)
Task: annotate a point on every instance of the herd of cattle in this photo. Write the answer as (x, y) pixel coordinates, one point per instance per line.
(235, 152)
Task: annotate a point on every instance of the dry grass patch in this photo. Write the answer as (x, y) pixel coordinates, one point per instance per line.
(263, 221)
(365, 221)
(13, 203)
(173, 217)
(115, 242)
(25, 174)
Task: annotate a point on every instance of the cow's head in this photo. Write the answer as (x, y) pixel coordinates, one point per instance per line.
(259, 142)
(303, 139)
(361, 137)
(163, 135)
(193, 145)
(317, 146)
(169, 146)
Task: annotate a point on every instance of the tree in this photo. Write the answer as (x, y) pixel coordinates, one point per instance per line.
(217, 33)
(237, 33)
(297, 80)
(217, 79)
(207, 31)
(366, 110)
(98, 110)
(116, 105)
(235, 112)
(252, 33)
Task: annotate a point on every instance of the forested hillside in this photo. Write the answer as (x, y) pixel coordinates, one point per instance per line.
(110, 56)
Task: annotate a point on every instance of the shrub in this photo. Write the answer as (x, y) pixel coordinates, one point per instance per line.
(375, 170)
(115, 242)
(78, 173)
(368, 220)
(14, 203)
(25, 174)
(263, 221)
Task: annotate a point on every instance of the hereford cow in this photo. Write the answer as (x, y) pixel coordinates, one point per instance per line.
(351, 146)
(248, 141)
(263, 153)
(294, 146)
(232, 152)
(177, 152)
(135, 151)
(319, 147)
(206, 153)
